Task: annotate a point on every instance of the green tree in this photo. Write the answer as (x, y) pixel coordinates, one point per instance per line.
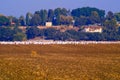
(117, 16)
(88, 15)
(43, 15)
(6, 34)
(49, 32)
(22, 21)
(110, 15)
(18, 34)
(110, 22)
(82, 20)
(4, 21)
(86, 11)
(66, 20)
(57, 13)
(60, 11)
(32, 32)
(94, 17)
(50, 15)
(14, 20)
(19, 37)
(28, 18)
(35, 21)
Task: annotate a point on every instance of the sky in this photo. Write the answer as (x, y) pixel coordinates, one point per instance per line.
(21, 7)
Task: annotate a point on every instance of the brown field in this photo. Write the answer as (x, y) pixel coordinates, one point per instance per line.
(60, 62)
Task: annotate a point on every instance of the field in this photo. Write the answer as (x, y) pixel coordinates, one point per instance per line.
(60, 62)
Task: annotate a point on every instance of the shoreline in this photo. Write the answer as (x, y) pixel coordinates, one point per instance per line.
(56, 42)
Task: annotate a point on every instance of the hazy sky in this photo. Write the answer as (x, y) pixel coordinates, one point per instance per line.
(21, 7)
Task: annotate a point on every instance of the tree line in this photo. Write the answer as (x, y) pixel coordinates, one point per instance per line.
(58, 16)
(61, 16)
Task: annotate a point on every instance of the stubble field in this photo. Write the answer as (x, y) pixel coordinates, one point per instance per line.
(60, 62)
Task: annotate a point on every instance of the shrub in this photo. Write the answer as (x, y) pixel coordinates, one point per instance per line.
(34, 54)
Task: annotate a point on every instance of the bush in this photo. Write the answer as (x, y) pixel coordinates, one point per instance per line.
(34, 54)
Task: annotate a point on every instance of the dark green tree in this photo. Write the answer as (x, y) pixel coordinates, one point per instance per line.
(36, 20)
(6, 34)
(94, 17)
(110, 22)
(18, 34)
(4, 21)
(66, 20)
(82, 20)
(117, 16)
(22, 21)
(87, 11)
(44, 16)
(19, 37)
(57, 13)
(50, 15)
(28, 18)
(110, 15)
(13, 21)
(32, 32)
(49, 32)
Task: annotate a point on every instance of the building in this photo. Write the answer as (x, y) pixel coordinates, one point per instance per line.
(48, 24)
(118, 23)
(93, 29)
(12, 23)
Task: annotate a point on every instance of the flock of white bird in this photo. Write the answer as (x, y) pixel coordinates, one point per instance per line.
(58, 42)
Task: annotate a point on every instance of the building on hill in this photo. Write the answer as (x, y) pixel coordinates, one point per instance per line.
(12, 23)
(118, 23)
(93, 29)
(48, 24)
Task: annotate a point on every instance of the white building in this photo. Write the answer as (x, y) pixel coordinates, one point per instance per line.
(93, 29)
(48, 24)
(118, 23)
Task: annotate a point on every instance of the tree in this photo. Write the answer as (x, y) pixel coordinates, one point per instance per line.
(64, 12)
(56, 20)
(32, 32)
(61, 11)
(19, 37)
(66, 20)
(4, 21)
(36, 20)
(57, 13)
(62, 36)
(88, 15)
(6, 34)
(87, 11)
(94, 17)
(82, 20)
(73, 35)
(50, 15)
(49, 32)
(111, 25)
(110, 22)
(43, 15)
(28, 19)
(110, 15)
(22, 21)
(13, 21)
(117, 16)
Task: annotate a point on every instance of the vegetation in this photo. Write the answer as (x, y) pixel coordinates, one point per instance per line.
(88, 15)
(4, 20)
(60, 62)
(11, 34)
(52, 33)
(62, 17)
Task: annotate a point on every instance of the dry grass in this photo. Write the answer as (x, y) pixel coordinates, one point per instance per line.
(60, 62)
